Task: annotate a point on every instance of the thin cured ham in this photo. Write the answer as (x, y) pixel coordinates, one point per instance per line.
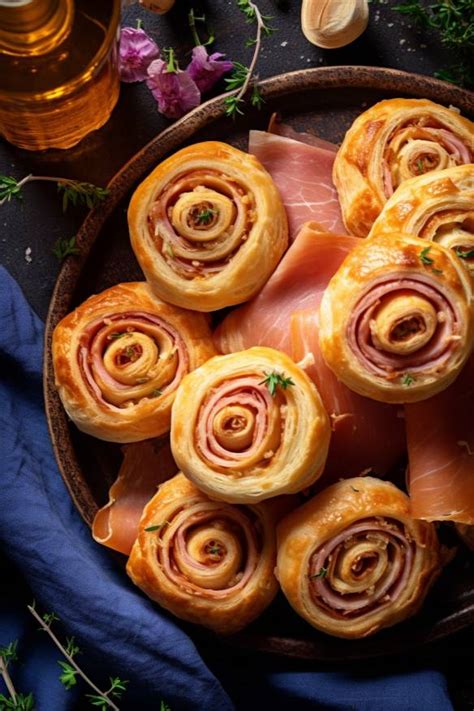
(365, 434)
(303, 175)
(440, 434)
(297, 283)
(145, 466)
(269, 320)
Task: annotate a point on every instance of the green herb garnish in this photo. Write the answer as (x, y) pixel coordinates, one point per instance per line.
(65, 247)
(117, 334)
(275, 380)
(205, 216)
(73, 191)
(464, 255)
(424, 258)
(242, 76)
(322, 572)
(156, 527)
(453, 21)
(408, 380)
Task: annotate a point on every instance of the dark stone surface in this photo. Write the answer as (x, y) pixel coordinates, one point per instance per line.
(37, 222)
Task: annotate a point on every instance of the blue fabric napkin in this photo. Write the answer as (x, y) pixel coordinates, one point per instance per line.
(48, 553)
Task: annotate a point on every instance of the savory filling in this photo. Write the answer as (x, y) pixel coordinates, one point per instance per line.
(200, 220)
(364, 567)
(210, 549)
(128, 358)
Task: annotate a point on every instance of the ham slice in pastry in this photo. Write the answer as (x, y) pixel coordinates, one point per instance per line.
(352, 560)
(440, 434)
(298, 284)
(438, 206)
(303, 175)
(119, 357)
(204, 561)
(249, 426)
(397, 319)
(393, 141)
(207, 226)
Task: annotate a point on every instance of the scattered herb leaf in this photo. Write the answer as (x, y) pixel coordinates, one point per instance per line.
(453, 21)
(68, 675)
(117, 334)
(205, 216)
(274, 380)
(65, 247)
(85, 194)
(463, 254)
(408, 379)
(424, 256)
(156, 526)
(322, 572)
(21, 702)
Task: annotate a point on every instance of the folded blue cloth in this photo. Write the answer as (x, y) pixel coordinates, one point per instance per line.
(48, 550)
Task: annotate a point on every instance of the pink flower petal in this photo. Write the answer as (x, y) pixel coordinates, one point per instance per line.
(136, 51)
(175, 92)
(207, 70)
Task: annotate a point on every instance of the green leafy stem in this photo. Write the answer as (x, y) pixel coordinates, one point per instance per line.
(73, 191)
(242, 76)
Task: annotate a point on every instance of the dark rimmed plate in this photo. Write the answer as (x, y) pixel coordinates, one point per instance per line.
(325, 101)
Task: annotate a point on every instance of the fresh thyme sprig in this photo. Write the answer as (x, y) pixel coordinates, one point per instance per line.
(71, 670)
(63, 247)
(243, 76)
(453, 20)
(73, 192)
(274, 380)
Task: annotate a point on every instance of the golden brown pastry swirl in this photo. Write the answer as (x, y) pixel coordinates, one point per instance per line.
(397, 319)
(352, 560)
(438, 206)
(208, 227)
(391, 142)
(205, 561)
(248, 426)
(119, 358)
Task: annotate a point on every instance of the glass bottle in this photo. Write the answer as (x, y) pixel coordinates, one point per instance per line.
(58, 69)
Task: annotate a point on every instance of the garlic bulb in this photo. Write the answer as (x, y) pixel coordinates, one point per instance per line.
(333, 23)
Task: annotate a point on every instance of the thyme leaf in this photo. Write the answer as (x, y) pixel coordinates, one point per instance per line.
(274, 380)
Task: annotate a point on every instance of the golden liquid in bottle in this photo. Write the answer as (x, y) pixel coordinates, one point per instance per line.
(58, 70)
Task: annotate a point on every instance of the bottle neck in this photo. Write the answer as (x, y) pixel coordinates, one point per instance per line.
(34, 27)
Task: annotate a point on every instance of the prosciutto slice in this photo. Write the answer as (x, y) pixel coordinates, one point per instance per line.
(302, 173)
(297, 283)
(145, 465)
(440, 434)
(366, 434)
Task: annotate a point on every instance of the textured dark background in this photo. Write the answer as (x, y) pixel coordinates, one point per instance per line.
(28, 229)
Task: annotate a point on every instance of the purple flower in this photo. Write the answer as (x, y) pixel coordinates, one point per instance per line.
(175, 91)
(136, 52)
(207, 70)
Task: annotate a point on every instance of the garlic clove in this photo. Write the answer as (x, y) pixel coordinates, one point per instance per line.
(333, 23)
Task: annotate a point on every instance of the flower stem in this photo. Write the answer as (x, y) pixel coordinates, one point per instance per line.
(7, 679)
(193, 28)
(71, 660)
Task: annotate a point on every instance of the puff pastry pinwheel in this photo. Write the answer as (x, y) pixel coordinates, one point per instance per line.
(438, 206)
(208, 227)
(119, 358)
(248, 426)
(204, 561)
(352, 560)
(397, 319)
(393, 141)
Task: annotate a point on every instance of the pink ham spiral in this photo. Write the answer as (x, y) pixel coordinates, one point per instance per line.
(198, 243)
(119, 358)
(433, 355)
(206, 562)
(397, 318)
(386, 586)
(352, 560)
(119, 331)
